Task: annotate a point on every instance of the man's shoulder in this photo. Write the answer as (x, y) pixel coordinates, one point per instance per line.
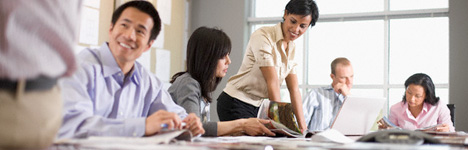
(88, 56)
(147, 77)
(324, 89)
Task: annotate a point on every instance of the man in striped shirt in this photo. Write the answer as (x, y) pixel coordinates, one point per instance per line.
(322, 104)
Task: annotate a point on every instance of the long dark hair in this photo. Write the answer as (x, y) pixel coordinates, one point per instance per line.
(204, 49)
(426, 82)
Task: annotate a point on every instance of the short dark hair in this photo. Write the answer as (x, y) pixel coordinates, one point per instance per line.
(426, 82)
(145, 7)
(305, 8)
(204, 48)
(339, 60)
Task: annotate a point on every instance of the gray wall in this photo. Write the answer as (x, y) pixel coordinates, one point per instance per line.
(229, 15)
(458, 90)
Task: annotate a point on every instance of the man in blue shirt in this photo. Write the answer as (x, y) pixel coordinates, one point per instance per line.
(322, 104)
(113, 95)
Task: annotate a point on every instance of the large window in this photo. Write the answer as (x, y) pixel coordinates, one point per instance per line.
(386, 40)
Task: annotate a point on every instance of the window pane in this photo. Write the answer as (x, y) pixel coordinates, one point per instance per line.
(362, 42)
(417, 4)
(284, 94)
(299, 58)
(419, 45)
(267, 8)
(349, 6)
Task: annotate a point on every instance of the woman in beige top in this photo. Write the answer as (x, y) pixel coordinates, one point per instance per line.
(267, 62)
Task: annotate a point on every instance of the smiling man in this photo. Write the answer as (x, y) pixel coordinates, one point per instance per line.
(113, 95)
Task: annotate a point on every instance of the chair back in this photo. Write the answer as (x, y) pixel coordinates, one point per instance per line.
(452, 112)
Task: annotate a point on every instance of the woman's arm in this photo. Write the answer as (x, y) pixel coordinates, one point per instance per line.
(271, 78)
(250, 126)
(296, 99)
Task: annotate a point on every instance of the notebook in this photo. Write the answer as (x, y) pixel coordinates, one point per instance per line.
(357, 115)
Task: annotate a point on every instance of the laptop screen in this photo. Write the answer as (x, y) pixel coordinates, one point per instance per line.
(357, 115)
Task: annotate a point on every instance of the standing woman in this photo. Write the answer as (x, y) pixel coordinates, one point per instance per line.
(207, 63)
(420, 106)
(268, 60)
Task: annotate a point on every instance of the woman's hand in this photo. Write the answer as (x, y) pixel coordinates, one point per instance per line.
(193, 123)
(443, 128)
(255, 126)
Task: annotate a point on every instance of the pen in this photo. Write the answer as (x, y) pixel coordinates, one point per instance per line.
(165, 126)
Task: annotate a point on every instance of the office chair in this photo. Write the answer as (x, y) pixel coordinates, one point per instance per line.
(452, 112)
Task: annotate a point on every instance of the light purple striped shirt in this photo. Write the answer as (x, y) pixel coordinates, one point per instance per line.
(320, 108)
(98, 102)
(37, 38)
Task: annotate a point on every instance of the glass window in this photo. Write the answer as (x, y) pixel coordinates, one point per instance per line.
(419, 45)
(284, 93)
(267, 8)
(349, 6)
(417, 4)
(362, 42)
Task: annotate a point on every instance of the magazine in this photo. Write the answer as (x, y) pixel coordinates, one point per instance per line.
(283, 120)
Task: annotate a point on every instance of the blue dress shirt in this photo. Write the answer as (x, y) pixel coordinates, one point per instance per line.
(99, 101)
(320, 108)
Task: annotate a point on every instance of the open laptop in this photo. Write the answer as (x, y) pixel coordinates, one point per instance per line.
(357, 115)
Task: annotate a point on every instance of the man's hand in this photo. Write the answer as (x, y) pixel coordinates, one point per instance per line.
(155, 120)
(193, 123)
(342, 88)
(254, 126)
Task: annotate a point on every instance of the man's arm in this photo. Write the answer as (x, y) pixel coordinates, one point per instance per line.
(80, 121)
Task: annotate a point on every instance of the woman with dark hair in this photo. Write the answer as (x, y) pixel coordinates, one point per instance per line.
(207, 63)
(268, 61)
(421, 107)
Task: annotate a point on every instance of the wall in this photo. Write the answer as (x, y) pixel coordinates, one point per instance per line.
(458, 88)
(228, 15)
(174, 37)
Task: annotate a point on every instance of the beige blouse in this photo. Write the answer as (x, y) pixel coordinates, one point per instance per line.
(264, 49)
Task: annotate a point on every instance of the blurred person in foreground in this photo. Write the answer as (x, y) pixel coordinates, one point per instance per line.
(36, 49)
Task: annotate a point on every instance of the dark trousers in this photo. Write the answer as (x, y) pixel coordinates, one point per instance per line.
(230, 108)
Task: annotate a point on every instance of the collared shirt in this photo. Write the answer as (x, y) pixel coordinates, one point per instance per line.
(37, 38)
(320, 108)
(264, 49)
(98, 101)
(430, 115)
